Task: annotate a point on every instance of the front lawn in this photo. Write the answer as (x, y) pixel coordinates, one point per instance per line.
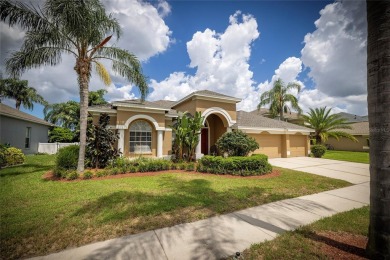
(360, 157)
(38, 217)
(342, 236)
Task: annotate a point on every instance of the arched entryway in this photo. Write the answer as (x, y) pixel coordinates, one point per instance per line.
(214, 127)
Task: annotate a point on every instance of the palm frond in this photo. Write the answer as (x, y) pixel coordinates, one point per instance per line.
(103, 73)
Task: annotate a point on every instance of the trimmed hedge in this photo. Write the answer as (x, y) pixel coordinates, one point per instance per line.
(318, 150)
(256, 164)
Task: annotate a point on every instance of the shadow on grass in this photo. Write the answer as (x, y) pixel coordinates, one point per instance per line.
(24, 169)
(174, 194)
(351, 249)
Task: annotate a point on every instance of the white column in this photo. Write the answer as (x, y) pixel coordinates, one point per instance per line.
(159, 143)
(121, 141)
(198, 151)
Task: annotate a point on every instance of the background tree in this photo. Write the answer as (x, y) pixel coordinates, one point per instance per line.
(97, 97)
(279, 97)
(327, 125)
(20, 91)
(61, 135)
(63, 114)
(79, 28)
(378, 90)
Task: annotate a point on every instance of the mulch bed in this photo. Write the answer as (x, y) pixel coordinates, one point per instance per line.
(50, 177)
(341, 245)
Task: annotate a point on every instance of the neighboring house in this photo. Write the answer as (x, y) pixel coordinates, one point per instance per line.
(360, 131)
(144, 128)
(353, 118)
(22, 130)
(290, 117)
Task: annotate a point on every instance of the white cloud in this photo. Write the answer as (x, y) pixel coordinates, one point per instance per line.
(144, 33)
(221, 61)
(336, 51)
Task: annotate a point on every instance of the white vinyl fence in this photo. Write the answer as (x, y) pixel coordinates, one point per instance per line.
(52, 148)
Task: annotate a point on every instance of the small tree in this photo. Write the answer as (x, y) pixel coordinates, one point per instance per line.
(187, 130)
(100, 143)
(237, 143)
(61, 135)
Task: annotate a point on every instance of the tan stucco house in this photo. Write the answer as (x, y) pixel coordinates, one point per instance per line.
(144, 128)
(360, 131)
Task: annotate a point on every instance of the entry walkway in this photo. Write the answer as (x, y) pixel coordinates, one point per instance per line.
(224, 235)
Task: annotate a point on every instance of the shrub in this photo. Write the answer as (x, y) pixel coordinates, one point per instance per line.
(133, 169)
(72, 175)
(102, 173)
(87, 175)
(173, 166)
(190, 167)
(67, 157)
(318, 150)
(11, 156)
(236, 143)
(115, 171)
(59, 172)
(235, 165)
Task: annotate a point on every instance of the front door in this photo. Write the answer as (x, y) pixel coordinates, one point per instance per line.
(205, 141)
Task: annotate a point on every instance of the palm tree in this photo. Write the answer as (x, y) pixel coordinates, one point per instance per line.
(66, 115)
(278, 97)
(78, 28)
(378, 90)
(327, 125)
(97, 97)
(20, 91)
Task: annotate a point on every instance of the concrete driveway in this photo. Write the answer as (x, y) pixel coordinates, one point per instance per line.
(349, 171)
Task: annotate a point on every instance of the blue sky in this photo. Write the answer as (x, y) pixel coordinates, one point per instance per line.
(238, 47)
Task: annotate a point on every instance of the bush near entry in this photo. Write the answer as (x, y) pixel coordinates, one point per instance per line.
(236, 143)
(66, 160)
(256, 164)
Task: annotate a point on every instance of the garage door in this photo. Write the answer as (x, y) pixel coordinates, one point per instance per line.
(297, 145)
(270, 145)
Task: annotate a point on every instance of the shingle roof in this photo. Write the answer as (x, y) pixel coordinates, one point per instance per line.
(353, 118)
(265, 111)
(166, 104)
(210, 93)
(138, 103)
(360, 128)
(12, 112)
(255, 120)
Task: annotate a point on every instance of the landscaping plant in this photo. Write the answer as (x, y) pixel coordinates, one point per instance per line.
(66, 160)
(100, 143)
(318, 150)
(236, 143)
(10, 156)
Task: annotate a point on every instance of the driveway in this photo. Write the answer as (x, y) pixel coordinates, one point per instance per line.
(349, 171)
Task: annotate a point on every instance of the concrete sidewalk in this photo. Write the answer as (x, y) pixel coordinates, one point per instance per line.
(224, 235)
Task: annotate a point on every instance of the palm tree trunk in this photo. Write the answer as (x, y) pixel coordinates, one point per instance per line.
(83, 69)
(378, 90)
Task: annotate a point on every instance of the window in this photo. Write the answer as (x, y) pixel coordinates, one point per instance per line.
(140, 137)
(28, 138)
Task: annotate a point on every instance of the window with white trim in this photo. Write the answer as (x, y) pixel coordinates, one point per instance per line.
(28, 138)
(140, 137)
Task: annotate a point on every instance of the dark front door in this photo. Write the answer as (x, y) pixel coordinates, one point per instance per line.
(205, 141)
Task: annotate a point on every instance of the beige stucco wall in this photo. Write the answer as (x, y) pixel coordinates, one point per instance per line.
(95, 119)
(123, 116)
(270, 144)
(202, 105)
(167, 143)
(345, 144)
(187, 106)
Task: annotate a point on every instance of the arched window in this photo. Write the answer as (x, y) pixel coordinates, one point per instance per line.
(140, 137)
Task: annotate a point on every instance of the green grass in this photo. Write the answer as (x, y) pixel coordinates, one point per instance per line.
(303, 243)
(39, 217)
(360, 157)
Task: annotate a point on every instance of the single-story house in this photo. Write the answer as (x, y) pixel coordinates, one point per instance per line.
(360, 131)
(22, 130)
(144, 127)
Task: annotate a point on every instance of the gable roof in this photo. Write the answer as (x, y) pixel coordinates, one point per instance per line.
(12, 112)
(208, 94)
(255, 120)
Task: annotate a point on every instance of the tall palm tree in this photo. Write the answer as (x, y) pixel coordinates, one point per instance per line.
(378, 90)
(79, 28)
(327, 125)
(20, 91)
(278, 98)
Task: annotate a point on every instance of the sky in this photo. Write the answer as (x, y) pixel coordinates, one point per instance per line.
(238, 48)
